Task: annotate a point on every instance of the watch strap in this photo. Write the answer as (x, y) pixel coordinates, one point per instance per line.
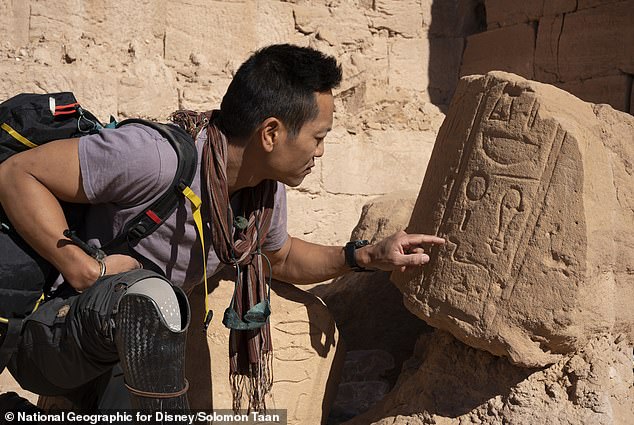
(349, 251)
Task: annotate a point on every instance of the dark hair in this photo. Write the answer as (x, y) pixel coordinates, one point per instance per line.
(277, 81)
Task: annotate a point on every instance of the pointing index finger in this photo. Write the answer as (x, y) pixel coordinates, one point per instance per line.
(420, 239)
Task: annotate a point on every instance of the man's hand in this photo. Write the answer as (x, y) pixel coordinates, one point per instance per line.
(119, 263)
(397, 252)
(86, 271)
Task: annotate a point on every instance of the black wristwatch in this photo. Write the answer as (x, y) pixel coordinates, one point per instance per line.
(349, 250)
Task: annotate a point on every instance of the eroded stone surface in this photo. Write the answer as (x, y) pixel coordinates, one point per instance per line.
(586, 43)
(613, 90)
(513, 51)
(581, 45)
(446, 382)
(521, 183)
(509, 12)
(384, 216)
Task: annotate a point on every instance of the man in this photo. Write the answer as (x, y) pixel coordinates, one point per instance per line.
(267, 134)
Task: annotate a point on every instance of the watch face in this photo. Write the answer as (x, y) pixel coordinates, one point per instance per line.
(360, 243)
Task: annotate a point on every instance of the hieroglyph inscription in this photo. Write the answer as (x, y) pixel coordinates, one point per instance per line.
(497, 194)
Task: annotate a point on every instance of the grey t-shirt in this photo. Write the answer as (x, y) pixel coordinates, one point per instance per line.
(124, 171)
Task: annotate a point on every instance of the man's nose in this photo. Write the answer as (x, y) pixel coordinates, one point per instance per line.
(320, 150)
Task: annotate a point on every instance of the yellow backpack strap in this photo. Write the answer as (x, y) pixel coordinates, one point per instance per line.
(196, 207)
(17, 136)
(37, 304)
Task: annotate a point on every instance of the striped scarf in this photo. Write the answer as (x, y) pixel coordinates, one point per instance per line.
(250, 352)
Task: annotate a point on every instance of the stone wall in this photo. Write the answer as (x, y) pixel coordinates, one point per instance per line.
(147, 58)
(581, 46)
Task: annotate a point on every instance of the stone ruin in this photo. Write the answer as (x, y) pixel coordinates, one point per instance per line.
(534, 191)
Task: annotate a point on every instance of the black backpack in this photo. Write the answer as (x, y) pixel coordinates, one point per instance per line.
(27, 121)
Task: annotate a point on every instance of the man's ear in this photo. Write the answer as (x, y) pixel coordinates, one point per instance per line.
(271, 133)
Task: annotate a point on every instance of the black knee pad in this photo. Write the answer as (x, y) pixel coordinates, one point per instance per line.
(151, 343)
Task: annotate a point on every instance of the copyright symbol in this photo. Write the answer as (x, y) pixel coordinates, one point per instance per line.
(9, 416)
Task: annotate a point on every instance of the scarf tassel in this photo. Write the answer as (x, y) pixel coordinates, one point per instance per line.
(256, 384)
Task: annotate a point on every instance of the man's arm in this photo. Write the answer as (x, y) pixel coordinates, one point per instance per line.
(302, 262)
(31, 183)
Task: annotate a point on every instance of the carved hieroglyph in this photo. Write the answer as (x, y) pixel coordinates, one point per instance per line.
(521, 185)
(307, 353)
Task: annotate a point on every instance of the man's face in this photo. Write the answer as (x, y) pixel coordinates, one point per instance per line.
(295, 157)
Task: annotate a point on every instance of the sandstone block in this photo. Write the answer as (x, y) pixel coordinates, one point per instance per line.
(405, 57)
(557, 7)
(390, 149)
(209, 30)
(65, 17)
(507, 49)
(145, 80)
(323, 218)
(585, 4)
(202, 97)
(307, 354)
(308, 18)
(613, 90)
(348, 25)
(502, 13)
(569, 51)
(275, 23)
(343, 24)
(538, 230)
(376, 74)
(102, 22)
(547, 49)
(402, 17)
(384, 216)
(18, 13)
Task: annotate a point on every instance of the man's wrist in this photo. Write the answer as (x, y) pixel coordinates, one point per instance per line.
(83, 270)
(354, 256)
(363, 257)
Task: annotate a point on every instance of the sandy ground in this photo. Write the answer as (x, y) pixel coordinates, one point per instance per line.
(7, 383)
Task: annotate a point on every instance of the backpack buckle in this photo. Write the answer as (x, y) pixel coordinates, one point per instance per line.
(138, 231)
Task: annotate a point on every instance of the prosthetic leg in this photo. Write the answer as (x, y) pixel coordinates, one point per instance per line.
(150, 330)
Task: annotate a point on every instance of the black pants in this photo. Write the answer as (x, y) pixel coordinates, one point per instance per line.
(67, 346)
